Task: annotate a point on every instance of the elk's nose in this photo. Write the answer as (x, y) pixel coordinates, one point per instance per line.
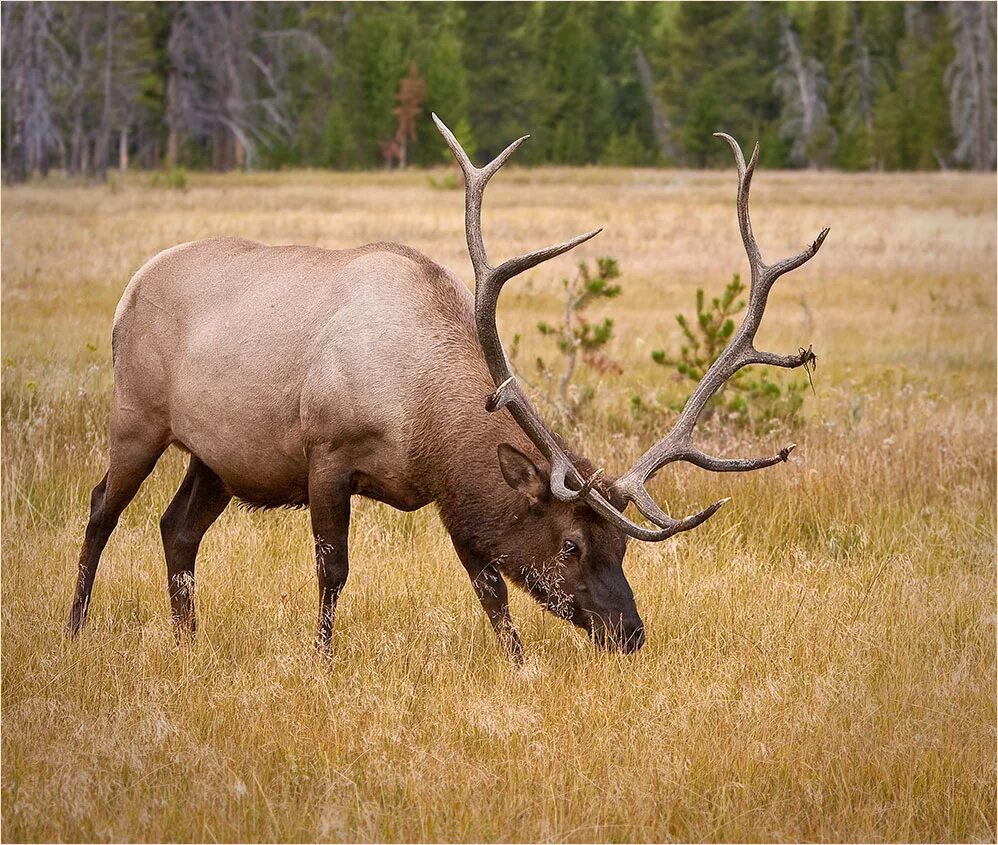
(635, 639)
(627, 636)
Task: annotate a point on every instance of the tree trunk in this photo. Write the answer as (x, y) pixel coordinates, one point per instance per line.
(16, 166)
(77, 154)
(221, 148)
(984, 158)
(659, 122)
(864, 72)
(76, 144)
(172, 121)
(123, 149)
(102, 147)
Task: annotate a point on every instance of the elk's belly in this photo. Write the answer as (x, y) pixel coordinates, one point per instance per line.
(270, 479)
(263, 456)
(261, 471)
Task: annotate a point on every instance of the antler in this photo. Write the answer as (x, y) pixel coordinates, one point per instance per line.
(488, 285)
(677, 445)
(740, 352)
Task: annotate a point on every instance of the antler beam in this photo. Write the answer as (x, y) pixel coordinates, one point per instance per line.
(489, 282)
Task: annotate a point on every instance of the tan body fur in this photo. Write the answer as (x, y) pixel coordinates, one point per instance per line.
(251, 356)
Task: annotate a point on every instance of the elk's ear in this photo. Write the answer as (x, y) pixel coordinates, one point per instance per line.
(522, 474)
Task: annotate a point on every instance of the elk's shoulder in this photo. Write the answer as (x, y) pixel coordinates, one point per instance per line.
(432, 283)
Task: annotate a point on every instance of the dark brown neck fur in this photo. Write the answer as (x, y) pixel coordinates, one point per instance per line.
(458, 440)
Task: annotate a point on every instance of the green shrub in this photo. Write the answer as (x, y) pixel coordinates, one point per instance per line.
(578, 339)
(174, 178)
(751, 398)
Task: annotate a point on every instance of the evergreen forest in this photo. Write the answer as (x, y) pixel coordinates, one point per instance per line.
(848, 85)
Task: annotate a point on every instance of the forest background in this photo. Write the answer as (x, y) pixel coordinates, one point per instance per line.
(855, 86)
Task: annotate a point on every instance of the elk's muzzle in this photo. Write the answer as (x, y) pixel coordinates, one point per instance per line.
(625, 634)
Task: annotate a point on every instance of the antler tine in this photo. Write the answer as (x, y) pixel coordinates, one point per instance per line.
(709, 462)
(677, 445)
(455, 147)
(744, 184)
(483, 174)
(514, 266)
(668, 527)
(805, 255)
(476, 178)
(736, 150)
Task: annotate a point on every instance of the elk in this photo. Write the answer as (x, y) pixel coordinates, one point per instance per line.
(296, 376)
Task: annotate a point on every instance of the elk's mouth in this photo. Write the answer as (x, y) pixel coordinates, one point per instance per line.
(622, 637)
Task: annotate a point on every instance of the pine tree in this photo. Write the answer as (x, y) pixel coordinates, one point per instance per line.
(501, 63)
(914, 129)
(441, 56)
(630, 121)
(30, 67)
(576, 119)
(721, 64)
(865, 72)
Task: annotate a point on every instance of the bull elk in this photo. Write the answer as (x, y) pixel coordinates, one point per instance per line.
(295, 376)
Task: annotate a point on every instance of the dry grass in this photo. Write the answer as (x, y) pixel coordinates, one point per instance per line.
(821, 656)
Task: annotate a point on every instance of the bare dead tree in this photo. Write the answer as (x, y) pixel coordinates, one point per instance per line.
(203, 91)
(103, 144)
(971, 83)
(32, 61)
(917, 21)
(229, 82)
(98, 81)
(661, 127)
(802, 85)
(861, 71)
(863, 75)
(410, 97)
(130, 68)
(82, 23)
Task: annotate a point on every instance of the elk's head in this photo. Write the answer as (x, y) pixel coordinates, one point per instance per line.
(568, 557)
(574, 517)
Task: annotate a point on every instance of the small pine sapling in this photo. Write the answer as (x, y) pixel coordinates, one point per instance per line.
(578, 339)
(752, 400)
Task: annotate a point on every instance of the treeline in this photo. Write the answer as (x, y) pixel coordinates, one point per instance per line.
(88, 86)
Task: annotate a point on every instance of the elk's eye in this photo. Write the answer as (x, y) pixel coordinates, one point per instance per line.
(569, 548)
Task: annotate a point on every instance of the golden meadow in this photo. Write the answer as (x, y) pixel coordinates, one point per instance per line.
(821, 654)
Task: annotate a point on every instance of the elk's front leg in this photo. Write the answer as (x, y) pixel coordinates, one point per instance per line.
(329, 503)
(491, 591)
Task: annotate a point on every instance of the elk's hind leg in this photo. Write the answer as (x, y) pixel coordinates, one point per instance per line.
(329, 504)
(133, 456)
(199, 501)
